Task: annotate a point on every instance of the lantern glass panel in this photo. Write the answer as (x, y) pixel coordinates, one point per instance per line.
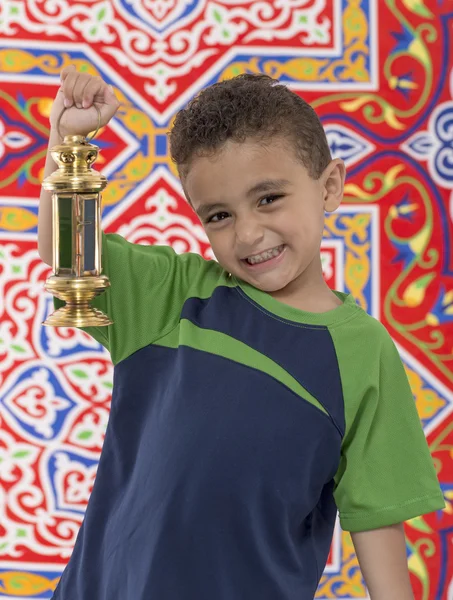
(90, 232)
(65, 223)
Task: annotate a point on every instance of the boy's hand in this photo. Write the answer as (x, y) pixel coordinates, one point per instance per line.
(81, 93)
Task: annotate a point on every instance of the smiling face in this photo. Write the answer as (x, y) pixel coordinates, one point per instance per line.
(264, 214)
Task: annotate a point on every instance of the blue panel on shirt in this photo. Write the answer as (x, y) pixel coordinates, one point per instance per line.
(305, 351)
(215, 483)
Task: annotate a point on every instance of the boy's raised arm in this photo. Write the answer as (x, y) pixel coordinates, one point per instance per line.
(81, 94)
(45, 206)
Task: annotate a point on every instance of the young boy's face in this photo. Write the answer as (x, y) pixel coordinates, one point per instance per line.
(263, 213)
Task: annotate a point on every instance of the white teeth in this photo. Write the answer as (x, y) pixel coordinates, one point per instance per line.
(258, 258)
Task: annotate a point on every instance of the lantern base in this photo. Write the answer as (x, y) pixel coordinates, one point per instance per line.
(77, 316)
(77, 292)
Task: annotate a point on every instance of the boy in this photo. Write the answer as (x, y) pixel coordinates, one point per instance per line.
(250, 401)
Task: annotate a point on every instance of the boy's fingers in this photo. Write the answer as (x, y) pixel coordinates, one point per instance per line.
(68, 89)
(66, 71)
(109, 96)
(84, 90)
(79, 88)
(91, 90)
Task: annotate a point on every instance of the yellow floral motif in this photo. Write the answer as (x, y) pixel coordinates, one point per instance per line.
(418, 8)
(135, 170)
(44, 106)
(417, 566)
(140, 166)
(236, 68)
(415, 292)
(428, 402)
(418, 49)
(448, 497)
(353, 229)
(19, 584)
(374, 107)
(351, 66)
(355, 69)
(19, 61)
(419, 242)
(348, 582)
(355, 26)
(357, 274)
(388, 112)
(402, 83)
(354, 193)
(404, 209)
(302, 69)
(137, 122)
(15, 218)
(13, 60)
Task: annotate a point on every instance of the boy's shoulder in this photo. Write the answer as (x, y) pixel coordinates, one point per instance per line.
(364, 320)
(363, 334)
(188, 266)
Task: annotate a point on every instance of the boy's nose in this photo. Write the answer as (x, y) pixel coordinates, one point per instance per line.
(249, 233)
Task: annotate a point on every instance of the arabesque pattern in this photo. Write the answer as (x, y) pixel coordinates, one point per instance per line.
(380, 75)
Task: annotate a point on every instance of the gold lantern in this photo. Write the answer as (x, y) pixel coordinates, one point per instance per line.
(77, 236)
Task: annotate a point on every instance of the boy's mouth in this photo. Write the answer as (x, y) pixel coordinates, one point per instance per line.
(265, 256)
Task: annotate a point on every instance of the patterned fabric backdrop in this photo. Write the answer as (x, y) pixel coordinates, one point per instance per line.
(380, 75)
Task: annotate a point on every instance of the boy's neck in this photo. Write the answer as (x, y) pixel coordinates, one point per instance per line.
(309, 292)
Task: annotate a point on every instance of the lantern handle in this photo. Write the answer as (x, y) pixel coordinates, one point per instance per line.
(88, 139)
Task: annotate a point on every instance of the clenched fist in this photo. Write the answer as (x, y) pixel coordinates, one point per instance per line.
(81, 94)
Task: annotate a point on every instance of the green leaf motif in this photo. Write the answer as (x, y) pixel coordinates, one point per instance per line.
(101, 14)
(17, 348)
(420, 524)
(21, 454)
(80, 374)
(85, 435)
(418, 7)
(17, 582)
(424, 281)
(217, 16)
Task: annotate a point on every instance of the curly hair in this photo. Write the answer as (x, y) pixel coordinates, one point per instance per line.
(248, 106)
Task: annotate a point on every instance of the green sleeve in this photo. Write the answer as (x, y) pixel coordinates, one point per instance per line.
(386, 473)
(148, 286)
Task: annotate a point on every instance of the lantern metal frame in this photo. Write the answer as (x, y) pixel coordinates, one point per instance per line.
(77, 182)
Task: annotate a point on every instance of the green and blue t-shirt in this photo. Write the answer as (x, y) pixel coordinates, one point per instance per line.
(238, 426)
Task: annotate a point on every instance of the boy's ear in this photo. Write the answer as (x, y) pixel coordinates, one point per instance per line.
(332, 181)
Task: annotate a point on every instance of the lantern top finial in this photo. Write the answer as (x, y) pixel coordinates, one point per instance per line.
(75, 157)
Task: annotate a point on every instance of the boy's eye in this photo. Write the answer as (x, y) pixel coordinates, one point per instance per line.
(217, 217)
(269, 199)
